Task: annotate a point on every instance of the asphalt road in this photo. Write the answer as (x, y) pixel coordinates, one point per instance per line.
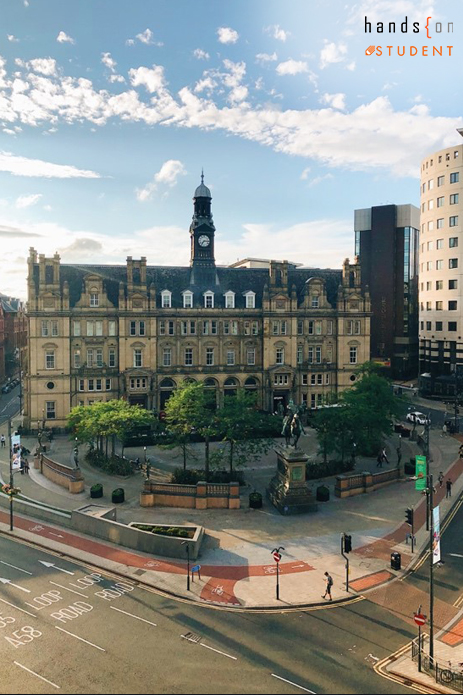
(84, 631)
(9, 404)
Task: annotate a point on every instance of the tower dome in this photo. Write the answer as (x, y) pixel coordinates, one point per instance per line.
(202, 191)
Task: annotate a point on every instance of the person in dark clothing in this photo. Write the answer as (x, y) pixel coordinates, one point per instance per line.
(329, 584)
(448, 486)
(379, 460)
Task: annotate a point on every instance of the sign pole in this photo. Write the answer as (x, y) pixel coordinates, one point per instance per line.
(277, 557)
(278, 582)
(419, 648)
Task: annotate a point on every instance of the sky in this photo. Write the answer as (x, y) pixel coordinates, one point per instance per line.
(109, 109)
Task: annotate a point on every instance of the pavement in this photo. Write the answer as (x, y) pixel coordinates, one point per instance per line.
(237, 569)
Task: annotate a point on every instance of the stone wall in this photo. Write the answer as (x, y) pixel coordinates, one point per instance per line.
(200, 496)
(349, 485)
(70, 478)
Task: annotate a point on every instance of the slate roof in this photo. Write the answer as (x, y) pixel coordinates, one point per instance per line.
(177, 279)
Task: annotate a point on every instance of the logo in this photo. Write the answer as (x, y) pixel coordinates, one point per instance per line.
(432, 29)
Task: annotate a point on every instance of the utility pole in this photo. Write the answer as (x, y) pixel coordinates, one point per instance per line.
(11, 474)
(426, 453)
(431, 572)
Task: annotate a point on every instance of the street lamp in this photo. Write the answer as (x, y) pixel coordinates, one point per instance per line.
(76, 453)
(188, 563)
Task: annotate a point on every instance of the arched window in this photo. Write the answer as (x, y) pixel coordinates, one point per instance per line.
(230, 386)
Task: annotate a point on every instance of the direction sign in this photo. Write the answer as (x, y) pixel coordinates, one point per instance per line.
(276, 556)
(420, 619)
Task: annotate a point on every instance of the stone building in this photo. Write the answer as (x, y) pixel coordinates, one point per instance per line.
(137, 331)
(13, 336)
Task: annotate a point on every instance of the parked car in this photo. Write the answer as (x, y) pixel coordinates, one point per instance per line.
(6, 389)
(417, 418)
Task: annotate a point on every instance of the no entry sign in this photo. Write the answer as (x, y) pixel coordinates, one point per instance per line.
(420, 619)
(276, 556)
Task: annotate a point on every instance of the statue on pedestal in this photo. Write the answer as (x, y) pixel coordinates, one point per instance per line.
(286, 429)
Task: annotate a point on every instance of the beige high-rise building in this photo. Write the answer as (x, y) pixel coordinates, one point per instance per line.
(137, 331)
(441, 270)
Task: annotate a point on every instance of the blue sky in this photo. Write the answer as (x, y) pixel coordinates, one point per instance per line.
(109, 109)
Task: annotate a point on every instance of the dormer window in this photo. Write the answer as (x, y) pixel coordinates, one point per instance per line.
(208, 300)
(250, 300)
(187, 299)
(166, 299)
(315, 301)
(229, 300)
(94, 299)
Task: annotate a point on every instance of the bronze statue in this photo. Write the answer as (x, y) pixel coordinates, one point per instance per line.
(296, 429)
(286, 430)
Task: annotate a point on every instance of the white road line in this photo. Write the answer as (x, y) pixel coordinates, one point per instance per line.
(65, 587)
(218, 652)
(16, 568)
(80, 638)
(38, 675)
(295, 684)
(18, 609)
(119, 610)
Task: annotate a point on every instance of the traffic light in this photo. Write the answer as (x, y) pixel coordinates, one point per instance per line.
(409, 516)
(347, 543)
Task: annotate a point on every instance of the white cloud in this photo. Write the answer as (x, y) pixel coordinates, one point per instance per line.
(227, 35)
(26, 201)
(46, 66)
(332, 53)
(207, 83)
(150, 78)
(337, 101)
(12, 38)
(292, 67)
(22, 166)
(108, 61)
(305, 174)
(351, 66)
(167, 175)
(145, 37)
(116, 78)
(64, 38)
(266, 57)
(130, 42)
(319, 179)
(277, 32)
(200, 54)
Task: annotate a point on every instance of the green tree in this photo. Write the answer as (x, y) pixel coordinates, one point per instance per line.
(102, 423)
(192, 408)
(243, 427)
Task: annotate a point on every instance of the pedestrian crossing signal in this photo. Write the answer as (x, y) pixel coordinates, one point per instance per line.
(347, 543)
(409, 516)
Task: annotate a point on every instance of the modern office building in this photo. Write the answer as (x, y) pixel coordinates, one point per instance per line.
(441, 266)
(137, 332)
(386, 243)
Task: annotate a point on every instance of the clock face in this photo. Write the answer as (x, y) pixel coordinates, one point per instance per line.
(204, 240)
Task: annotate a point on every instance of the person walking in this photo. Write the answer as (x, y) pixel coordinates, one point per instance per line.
(2, 440)
(379, 460)
(399, 455)
(444, 430)
(448, 486)
(384, 455)
(440, 478)
(26, 466)
(329, 584)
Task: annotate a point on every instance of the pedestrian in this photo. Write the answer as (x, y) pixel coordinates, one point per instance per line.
(3, 440)
(329, 584)
(440, 478)
(444, 430)
(379, 460)
(26, 466)
(399, 455)
(448, 486)
(384, 455)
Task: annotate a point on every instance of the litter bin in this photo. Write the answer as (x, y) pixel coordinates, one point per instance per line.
(396, 561)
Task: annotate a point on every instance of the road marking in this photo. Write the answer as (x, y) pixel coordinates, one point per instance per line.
(25, 571)
(58, 687)
(133, 616)
(7, 581)
(455, 554)
(80, 638)
(66, 589)
(18, 609)
(459, 601)
(218, 651)
(58, 535)
(51, 564)
(291, 683)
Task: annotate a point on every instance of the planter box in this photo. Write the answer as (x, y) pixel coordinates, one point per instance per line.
(255, 501)
(95, 494)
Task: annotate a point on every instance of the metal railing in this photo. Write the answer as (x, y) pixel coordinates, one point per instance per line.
(442, 673)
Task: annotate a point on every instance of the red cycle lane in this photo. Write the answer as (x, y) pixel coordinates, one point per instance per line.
(219, 588)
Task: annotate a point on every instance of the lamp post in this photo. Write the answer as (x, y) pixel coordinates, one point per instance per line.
(11, 474)
(76, 453)
(188, 564)
(431, 572)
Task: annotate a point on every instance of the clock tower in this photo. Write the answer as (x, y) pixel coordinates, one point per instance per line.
(202, 228)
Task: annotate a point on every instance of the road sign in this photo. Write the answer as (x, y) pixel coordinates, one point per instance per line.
(276, 556)
(420, 619)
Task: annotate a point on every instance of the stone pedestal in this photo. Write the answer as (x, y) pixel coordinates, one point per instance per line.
(288, 489)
